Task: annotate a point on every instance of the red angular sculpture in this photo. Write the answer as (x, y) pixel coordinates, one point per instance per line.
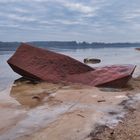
(41, 64)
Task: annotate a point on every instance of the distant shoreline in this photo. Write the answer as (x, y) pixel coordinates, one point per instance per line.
(12, 46)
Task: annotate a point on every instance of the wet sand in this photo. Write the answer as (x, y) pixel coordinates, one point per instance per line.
(45, 111)
(127, 129)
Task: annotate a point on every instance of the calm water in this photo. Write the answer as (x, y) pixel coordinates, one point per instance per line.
(108, 56)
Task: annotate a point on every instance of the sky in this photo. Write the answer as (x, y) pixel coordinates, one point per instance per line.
(67, 20)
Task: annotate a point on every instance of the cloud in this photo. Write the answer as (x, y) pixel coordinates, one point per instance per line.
(17, 1)
(21, 10)
(78, 7)
(21, 18)
(91, 20)
(132, 15)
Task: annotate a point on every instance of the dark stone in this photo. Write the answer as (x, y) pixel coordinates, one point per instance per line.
(138, 49)
(92, 60)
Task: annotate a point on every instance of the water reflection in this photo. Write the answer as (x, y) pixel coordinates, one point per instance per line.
(31, 93)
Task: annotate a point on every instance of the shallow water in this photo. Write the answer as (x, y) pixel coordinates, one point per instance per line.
(7, 76)
(59, 106)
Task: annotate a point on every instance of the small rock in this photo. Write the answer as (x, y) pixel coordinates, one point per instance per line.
(92, 60)
(101, 101)
(36, 97)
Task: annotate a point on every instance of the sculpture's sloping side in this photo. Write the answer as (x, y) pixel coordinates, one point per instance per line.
(109, 76)
(41, 64)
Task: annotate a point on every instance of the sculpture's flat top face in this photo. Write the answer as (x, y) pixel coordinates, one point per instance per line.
(103, 75)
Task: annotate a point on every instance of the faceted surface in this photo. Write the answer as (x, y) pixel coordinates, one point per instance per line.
(41, 64)
(115, 76)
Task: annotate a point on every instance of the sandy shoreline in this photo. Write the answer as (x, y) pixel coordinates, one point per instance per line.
(33, 111)
(128, 129)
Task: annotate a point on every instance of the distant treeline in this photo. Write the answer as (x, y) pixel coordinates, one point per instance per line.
(11, 46)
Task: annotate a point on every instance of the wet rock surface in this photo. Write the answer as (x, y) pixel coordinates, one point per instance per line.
(52, 111)
(32, 94)
(128, 129)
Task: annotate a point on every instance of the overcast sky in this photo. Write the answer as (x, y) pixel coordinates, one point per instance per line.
(80, 20)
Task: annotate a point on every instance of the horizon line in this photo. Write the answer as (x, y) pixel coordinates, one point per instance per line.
(70, 41)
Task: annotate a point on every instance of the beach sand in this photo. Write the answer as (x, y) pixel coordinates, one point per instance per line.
(45, 111)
